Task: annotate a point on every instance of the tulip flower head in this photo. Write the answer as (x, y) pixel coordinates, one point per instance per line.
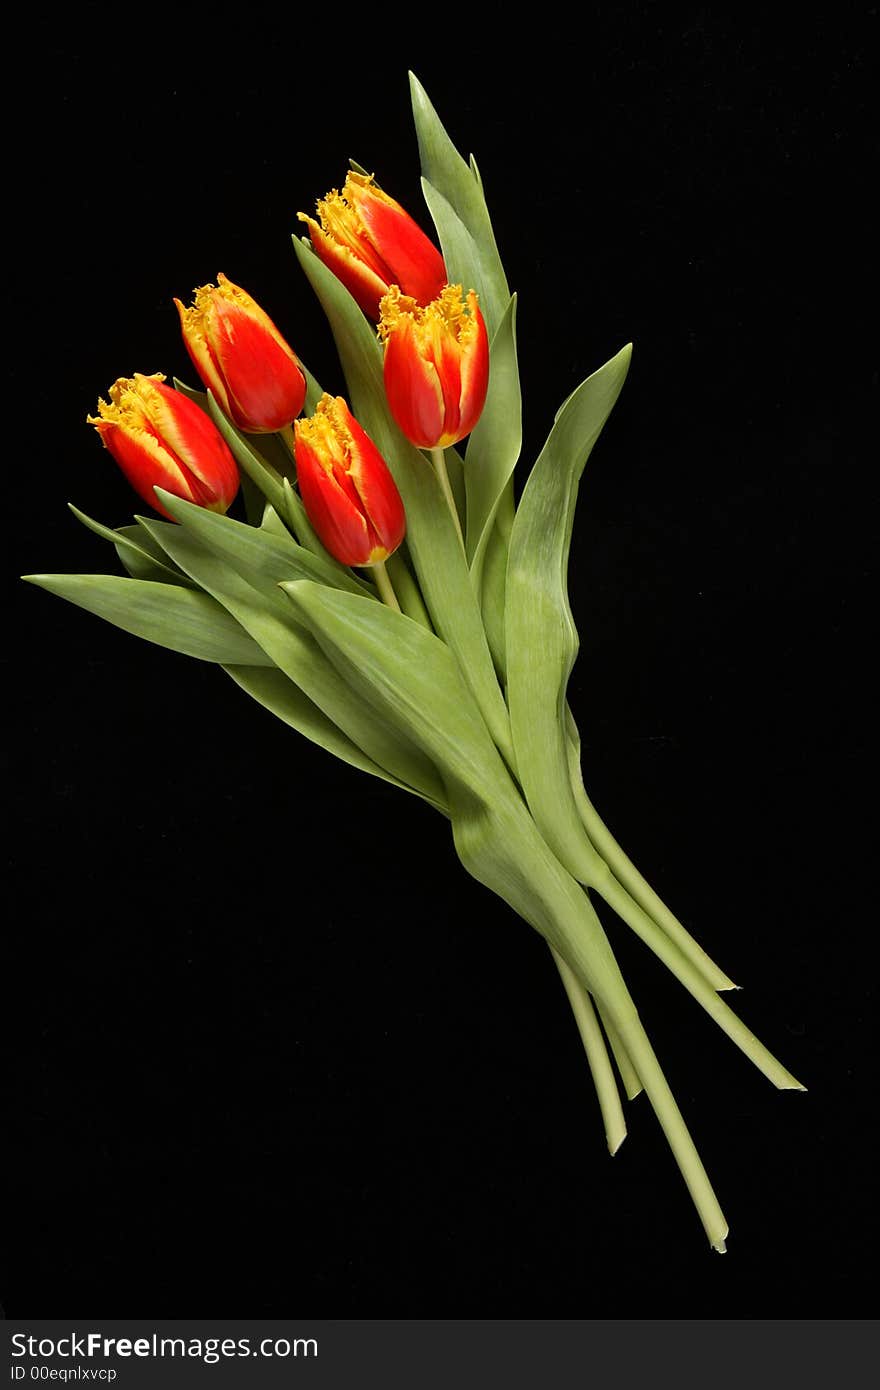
(371, 243)
(241, 357)
(436, 365)
(347, 490)
(160, 438)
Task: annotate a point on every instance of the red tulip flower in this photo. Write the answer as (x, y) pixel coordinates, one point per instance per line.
(436, 365)
(160, 438)
(347, 490)
(241, 357)
(371, 243)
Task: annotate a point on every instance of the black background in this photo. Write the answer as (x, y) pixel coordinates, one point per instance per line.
(275, 1053)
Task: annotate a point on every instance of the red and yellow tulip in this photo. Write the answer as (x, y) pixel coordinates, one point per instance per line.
(436, 365)
(160, 438)
(347, 490)
(370, 243)
(241, 357)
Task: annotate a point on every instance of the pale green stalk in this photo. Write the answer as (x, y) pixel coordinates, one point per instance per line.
(408, 592)
(383, 584)
(628, 875)
(439, 461)
(287, 434)
(509, 855)
(692, 979)
(628, 1074)
(597, 1054)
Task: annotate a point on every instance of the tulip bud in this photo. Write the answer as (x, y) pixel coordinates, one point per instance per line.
(241, 357)
(160, 438)
(347, 490)
(371, 243)
(436, 365)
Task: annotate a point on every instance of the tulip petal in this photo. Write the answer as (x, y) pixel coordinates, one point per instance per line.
(474, 370)
(265, 385)
(363, 283)
(415, 395)
(340, 220)
(145, 462)
(234, 294)
(412, 258)
(375, 486)
(336, 518)
(445, 352)
(192, 327)
(184, 429)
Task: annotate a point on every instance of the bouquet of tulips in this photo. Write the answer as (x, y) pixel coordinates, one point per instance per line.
(386, 596)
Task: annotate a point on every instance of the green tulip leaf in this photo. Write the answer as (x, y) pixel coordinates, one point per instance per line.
(460, 185)
(257, 555)
(493, 592)
(300, 525)
(181, 619)
(267, 478)
(541, 638)
(494, 446)
(399, 668)
(263, 611)
(460, 252)
(314, 391)
(140, 556)
(410, 676)
(272, 689)
(272, 524)
(198, 397)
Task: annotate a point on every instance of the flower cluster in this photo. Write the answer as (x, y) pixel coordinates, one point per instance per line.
(436, 356)
(460, 696)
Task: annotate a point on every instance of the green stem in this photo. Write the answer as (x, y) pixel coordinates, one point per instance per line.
(597, 1055)
(286, 433)
(628, 1074)
(628, 875)
(439, 461)
(502, 847)
(383, 584)
(621, 1012)
(693, 981)
(408, 592)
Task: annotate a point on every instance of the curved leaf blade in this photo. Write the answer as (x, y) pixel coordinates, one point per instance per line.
(461, 187)
(255, 552)
(540, 635)
(263, 611)
(400, 668)
(184, 620)
(138, 553)
(494, 446)
(460, 252)
(276, 693)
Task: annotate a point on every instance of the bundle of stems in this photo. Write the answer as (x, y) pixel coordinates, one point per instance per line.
(446, 671)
